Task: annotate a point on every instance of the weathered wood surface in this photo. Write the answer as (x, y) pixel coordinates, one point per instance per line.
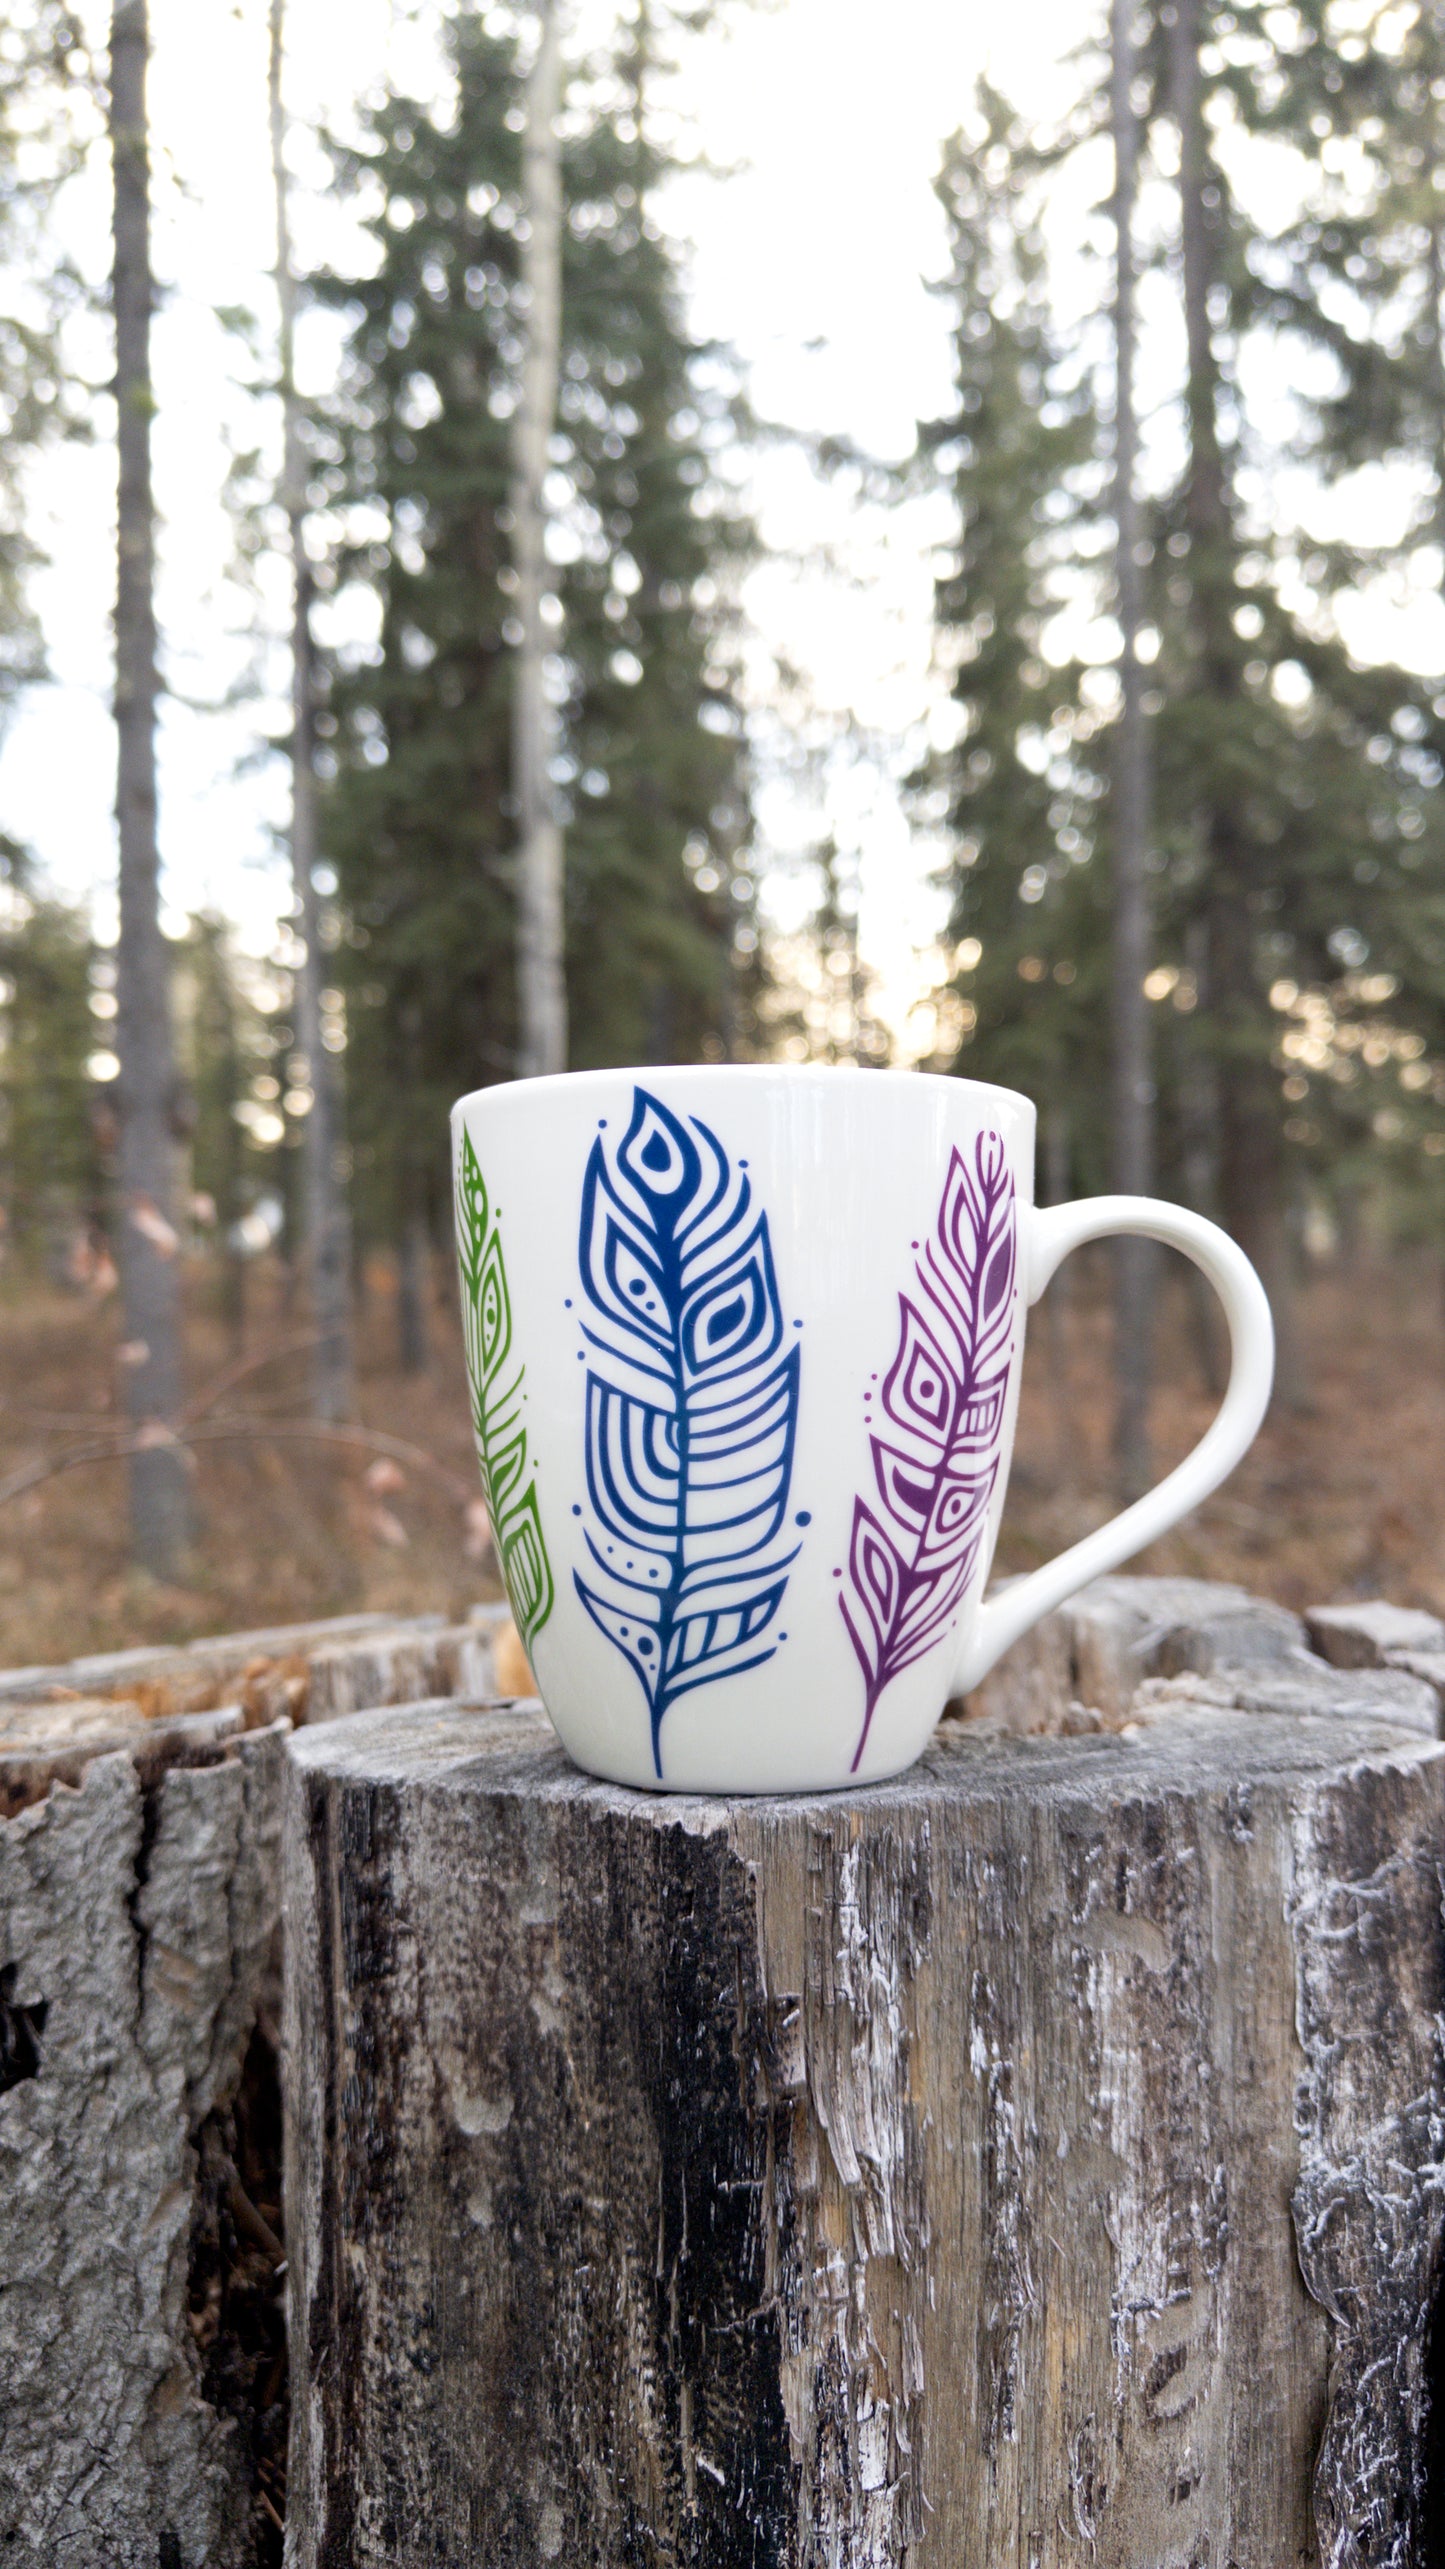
(42, 1745)
(310, 1672)
(1034, 2161)
(198, 1662)
(137, 1926)
(1086, 1667)
(131, 2255)
(142, 2371)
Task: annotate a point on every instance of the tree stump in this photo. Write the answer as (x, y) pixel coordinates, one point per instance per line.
(309, 1672)
(142, 2348)
(1034, 2161)
(138, 1903)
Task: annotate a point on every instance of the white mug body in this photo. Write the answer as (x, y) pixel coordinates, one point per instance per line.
(744, 1349)
(744, 1346)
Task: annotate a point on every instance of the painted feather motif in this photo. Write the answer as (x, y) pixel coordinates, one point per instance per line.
(936, 1445)
(692, 1409)
(496, 1389)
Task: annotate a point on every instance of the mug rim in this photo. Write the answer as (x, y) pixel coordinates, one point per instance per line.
(806, 1073)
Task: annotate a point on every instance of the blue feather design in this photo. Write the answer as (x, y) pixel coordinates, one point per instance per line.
(692, 1409)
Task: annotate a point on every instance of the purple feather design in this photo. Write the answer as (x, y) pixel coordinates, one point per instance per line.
(936, 1446)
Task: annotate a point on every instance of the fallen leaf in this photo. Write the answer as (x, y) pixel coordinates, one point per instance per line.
(513, 1667)
(477, 1540)
(387, 1528)
(148, 1219)
(383, 1477)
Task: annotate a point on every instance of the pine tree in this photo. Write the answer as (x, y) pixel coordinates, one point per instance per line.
(1132, 1093)
(651, 766)
(541, 904)
(1292, 770)
(1223, 729)
(326, 1225)
(219, 1042)
(659, 866)
(50, 1172)
(1361, 277)
(818, 1001)
(1296, 838)
(41, 66)
(1020, 792)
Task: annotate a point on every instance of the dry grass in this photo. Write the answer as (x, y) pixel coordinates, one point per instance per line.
(286, 1530)
(1344, 1495)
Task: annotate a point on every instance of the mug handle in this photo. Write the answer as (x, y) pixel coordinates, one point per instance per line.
(1051, 1233)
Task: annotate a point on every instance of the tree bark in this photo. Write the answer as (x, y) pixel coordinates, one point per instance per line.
(146, 1091)
(1054, 1169)
(1197, 1097)
(1135, 1261)
(142, 2354)
(139, 1928)
(413, 1259)
(541, 987)
(412, 1239)
(1435, 283)
(1001, 2165)
(1251, 1163)
(327, 1221)
(229, 1203)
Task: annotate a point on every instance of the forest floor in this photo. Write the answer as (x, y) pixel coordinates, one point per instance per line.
(1343, 1495)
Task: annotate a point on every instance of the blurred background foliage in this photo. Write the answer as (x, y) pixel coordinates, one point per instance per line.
(1296, 855)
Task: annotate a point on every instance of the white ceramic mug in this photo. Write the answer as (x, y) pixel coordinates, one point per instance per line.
(744, 1348)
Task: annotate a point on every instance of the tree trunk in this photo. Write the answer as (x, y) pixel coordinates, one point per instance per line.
(146, 1093)
(541, 987)
(1435, 291)
(412, 1259)
(412, 1244)
(1003, 2165)
(1135, 1262)
(1251, 1158)
(1198, 1108)
(327, 1227)
(1058, 1303)
(229, 1205)
(1435, 295)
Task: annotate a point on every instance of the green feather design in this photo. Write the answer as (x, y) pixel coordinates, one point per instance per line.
(496, 1387)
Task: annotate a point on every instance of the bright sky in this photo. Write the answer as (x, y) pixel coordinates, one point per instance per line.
(812, 259)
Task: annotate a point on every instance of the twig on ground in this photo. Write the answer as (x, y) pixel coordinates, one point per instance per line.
(53, 1422)
(240, 1366)
(66, 1422)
